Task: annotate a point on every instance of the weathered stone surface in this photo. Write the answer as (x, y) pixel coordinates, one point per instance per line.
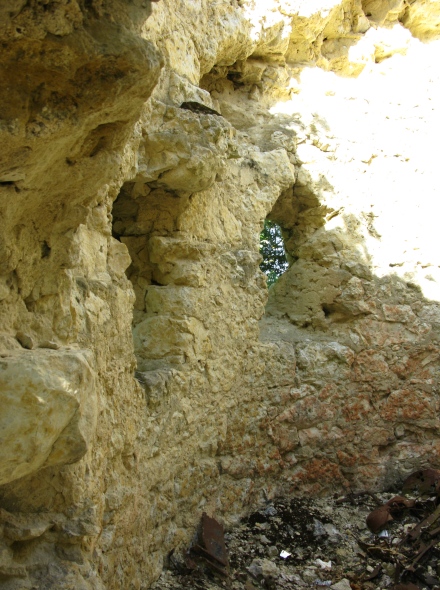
(185, 154)
(422, 19)
(130, 229)
(49, 410)
(23, 527)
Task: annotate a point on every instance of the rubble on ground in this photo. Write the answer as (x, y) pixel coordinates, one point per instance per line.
(361, 541)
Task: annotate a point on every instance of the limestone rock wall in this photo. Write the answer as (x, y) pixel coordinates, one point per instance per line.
(143, 379)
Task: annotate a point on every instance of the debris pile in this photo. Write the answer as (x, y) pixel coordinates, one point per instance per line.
(413, 548)
(362, 541)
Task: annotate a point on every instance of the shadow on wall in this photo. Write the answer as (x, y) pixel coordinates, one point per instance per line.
(144, 219)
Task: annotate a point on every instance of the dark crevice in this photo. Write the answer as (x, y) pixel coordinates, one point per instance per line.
(327, 310)
(30, 304)
(11, 183)
(45, 250)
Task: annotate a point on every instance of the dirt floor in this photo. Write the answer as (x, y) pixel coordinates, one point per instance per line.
(328, 543)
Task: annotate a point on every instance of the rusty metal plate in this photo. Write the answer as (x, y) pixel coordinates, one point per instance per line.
(213, 539)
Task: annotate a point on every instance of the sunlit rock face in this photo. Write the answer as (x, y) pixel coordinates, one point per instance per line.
(146, 375)
(48, 410)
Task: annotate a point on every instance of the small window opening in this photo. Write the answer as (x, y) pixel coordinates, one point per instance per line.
(274, 261)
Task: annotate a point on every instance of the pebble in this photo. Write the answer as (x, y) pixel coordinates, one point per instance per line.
(49, 344)
(333, 534)
(270, 511)
(25, 340)
(325, 565)
(263, 568)
(272, 551)
(318, 528)
(343, 584)
(389, 568)
(269, 568)
(309, 575)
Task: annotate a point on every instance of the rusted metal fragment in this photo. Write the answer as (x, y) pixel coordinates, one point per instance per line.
(425, 481)
(421, 552)
(434, 532)
(213, 538)
(212, 545)
(201, 552)
(399, 503)
(377, 570)
(377, 519)
(426, 523)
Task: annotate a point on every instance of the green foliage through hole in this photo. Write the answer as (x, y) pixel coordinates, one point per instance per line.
(274, 261)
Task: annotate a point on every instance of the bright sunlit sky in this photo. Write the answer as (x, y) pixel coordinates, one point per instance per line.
(382, 128)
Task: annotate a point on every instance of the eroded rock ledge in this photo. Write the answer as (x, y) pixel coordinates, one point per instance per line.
(144, 376)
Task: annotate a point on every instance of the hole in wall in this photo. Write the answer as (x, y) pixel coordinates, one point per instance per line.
(327, 309)
(103, 138)
(45, 250)
(274, 262)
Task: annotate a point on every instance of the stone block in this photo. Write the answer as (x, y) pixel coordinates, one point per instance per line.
(49, 409)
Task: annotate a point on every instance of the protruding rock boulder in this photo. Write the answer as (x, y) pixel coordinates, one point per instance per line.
(48, 410)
